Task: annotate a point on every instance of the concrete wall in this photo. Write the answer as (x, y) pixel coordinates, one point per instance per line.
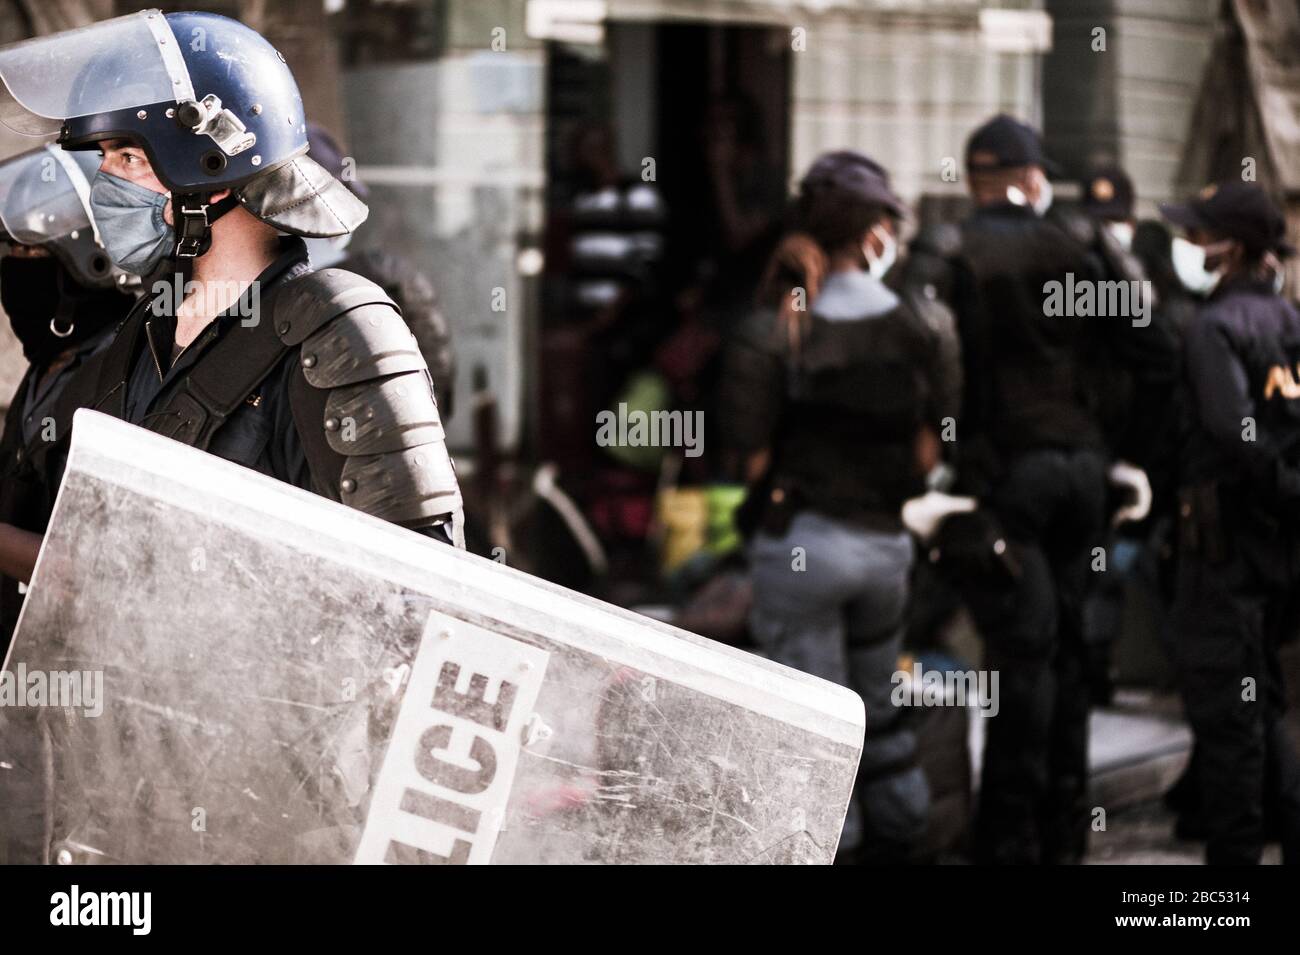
(908, 87)
(1130, 103)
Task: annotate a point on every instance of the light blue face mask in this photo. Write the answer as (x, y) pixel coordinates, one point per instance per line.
(130, 220)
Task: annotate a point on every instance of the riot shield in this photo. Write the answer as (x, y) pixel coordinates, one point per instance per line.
(283, 679)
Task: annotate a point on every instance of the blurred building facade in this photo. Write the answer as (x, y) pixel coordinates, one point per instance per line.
(456, 112)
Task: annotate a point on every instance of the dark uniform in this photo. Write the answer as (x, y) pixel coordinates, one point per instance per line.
(1033, 452)
(1238, 582)
(1135, 369)
(1032, 449)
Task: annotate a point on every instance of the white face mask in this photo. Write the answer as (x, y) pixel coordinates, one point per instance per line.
(879, 265)
(1122, 233)
(1044, 200)
(1189, 264)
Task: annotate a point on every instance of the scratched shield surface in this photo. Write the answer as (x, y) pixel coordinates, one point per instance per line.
(287, 680)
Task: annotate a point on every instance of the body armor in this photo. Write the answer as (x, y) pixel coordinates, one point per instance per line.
(841, 417)
(361, 396)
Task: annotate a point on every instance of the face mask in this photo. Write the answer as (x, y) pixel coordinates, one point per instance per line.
(1044, 200)
(1189, 264)
(130, 219)
(878, 266)
(1122, 233)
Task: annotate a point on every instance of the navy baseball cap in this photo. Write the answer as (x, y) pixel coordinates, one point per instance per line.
(1108, 194)
(1236, 210)
(853, 173)
(1004, 142)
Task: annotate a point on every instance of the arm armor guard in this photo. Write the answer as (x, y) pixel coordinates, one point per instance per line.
(363, 401)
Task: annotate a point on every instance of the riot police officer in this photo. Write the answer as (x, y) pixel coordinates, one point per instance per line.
(1238, 581)
(1031, 448)
(832, 394)
(237, 347)
(62, 297)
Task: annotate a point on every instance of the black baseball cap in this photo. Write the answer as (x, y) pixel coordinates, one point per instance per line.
(855, 174)
(1108, 194)
(1004, 142)
(1235, 210)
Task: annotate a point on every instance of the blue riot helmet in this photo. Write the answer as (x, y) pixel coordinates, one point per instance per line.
(45, 201)
(212, 104)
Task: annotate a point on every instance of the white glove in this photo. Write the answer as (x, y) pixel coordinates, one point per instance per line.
(923, 515)
(1134, 479)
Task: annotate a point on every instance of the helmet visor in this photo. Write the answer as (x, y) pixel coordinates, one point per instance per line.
(123, 63)
(45, 194)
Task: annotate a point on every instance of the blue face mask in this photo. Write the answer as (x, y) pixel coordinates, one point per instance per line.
(130, 220)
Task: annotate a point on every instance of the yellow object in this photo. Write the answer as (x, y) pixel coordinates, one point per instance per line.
(684, 515)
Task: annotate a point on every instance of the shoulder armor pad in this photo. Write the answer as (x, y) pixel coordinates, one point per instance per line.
(386, 414)
(370, 341)
(308, 302)
(365, 404)
(406, 487)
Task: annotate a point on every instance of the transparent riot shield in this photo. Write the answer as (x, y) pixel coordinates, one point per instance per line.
(283, 679)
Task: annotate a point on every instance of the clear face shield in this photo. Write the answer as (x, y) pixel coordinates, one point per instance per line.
(116, 64)
(45, 195)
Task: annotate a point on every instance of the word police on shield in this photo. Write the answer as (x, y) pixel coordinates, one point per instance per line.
(446, 778)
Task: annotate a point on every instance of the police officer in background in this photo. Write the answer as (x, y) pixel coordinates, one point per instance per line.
(1138, 402)
(1031, 449)
(1238, 587)
(832, 395)
(237, 347)
(61, 295)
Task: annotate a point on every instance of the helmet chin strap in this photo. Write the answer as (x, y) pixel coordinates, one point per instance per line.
(193, 214)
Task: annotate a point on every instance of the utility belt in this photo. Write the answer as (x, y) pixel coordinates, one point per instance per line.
(1218, 523)
(772, 505)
